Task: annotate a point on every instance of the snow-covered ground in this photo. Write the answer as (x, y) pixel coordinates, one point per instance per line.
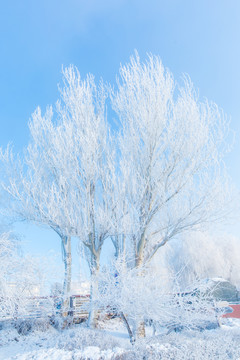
(111, 343)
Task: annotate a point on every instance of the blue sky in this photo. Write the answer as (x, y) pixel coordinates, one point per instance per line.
(201, 38)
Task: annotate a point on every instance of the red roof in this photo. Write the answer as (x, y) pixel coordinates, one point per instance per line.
(236, 312)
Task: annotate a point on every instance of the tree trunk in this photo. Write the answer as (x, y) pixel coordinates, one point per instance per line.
(140, 331)
(93, 312)
(67, 258)
(130, 333)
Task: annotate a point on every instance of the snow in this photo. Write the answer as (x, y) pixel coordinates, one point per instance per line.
(111, 343)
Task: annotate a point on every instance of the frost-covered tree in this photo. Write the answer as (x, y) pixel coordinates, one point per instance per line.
(66, 180)
(171, 147)
(202, 255)
(171, 157)
(86, 141)
(38, 190)
(21, 278)
(7, 264)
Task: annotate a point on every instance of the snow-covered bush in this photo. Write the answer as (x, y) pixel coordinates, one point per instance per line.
(83, 343)
(139, 293)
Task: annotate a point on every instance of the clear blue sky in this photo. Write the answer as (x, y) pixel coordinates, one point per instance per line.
(200, 37)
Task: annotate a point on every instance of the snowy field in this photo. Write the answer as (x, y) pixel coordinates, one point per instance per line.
(112, 343)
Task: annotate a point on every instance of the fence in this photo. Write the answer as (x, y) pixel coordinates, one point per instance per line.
(43, 307)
